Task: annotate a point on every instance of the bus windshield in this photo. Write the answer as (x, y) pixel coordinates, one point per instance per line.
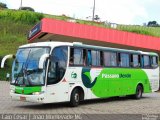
(25, 67)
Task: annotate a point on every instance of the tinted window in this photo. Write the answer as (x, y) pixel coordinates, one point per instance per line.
(94, 58)
(95, 55)
(77, 56)
(124, 60)
(57, 66)
(135, 61)
(146, 61)
(110, 59)
(154, 61)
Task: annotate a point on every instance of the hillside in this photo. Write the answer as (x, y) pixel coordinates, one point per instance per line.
(14, 26)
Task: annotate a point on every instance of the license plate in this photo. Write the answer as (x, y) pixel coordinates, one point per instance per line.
(22, 98)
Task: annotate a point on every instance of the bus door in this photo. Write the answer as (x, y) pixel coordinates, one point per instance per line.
(57, 85)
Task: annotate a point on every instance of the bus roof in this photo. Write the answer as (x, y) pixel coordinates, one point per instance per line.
(113, 49)
(48, 44)
(78, 44)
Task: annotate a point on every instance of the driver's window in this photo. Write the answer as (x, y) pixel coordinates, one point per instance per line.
(57, 66)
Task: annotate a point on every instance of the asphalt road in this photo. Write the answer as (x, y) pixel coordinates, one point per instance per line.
(149, 104)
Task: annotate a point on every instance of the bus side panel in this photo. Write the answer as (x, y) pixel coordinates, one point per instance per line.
(119, 81)
(57, 92)
(108, 82)
(74, 78)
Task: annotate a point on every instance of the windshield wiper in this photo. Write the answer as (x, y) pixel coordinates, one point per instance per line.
(16, 83)
(26, 69)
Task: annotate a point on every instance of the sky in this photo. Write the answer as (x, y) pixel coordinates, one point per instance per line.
(114, 11)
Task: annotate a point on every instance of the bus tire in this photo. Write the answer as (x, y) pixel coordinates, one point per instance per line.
(75, 98)
(139, 92)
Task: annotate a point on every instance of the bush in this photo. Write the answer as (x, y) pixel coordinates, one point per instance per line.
(7, 69)
(0, 60)
(27, 8)
(2, 5)
(21, 16)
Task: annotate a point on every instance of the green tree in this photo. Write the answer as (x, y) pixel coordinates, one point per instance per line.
(27, 8)
(96, 17)
(3, 5)
(153, 24)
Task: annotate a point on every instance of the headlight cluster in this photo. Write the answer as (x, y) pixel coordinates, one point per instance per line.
(38, 93)
(12, 91)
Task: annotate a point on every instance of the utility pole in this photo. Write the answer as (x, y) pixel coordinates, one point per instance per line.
(20, 5)
(93, 10)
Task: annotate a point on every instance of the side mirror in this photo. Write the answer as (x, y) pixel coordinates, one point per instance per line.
(42, 60)
(5, 58)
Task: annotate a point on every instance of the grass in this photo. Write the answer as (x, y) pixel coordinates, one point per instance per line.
(21, 16)
(12, 35)
(62, 17)
(14, 27)
(151, 31)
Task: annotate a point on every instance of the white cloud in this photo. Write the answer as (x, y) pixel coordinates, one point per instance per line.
(123, 11)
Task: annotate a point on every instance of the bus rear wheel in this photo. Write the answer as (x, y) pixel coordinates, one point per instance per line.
(75, 98)
(139, 92)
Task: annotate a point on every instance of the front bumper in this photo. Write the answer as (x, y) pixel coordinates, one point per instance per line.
(28, 98)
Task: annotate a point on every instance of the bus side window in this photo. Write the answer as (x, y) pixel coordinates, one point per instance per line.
(146, 61)
(95, 58)
(77, 57)
(110, 59)
(123, 59)
(154, 61)
(135, 61)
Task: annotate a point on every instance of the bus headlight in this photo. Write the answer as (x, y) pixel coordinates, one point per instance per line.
(12, 91)
(38, 93)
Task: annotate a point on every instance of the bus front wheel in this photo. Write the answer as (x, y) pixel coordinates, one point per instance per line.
(139, 91)
(75, 98)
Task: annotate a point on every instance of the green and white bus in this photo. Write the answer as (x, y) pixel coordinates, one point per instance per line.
(50, 72)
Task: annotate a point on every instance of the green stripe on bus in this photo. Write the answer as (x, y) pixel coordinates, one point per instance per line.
(27, 90)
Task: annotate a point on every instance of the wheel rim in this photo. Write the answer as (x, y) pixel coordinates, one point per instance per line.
(76, 97)
(139, 92)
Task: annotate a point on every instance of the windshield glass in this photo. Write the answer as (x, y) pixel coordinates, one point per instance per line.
(25, 67)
